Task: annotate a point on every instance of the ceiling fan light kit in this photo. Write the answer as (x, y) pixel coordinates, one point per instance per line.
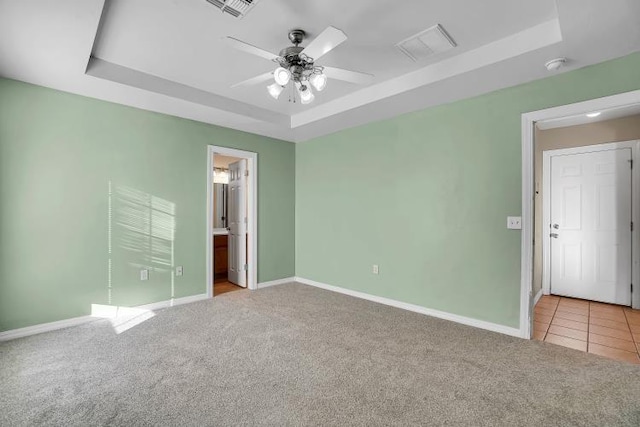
(297, 64)
(298, 67)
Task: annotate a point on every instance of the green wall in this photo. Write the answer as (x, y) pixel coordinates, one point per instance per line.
(59, 153)
(426, 195)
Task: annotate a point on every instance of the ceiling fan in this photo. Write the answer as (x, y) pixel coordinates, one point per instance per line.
(297, 65)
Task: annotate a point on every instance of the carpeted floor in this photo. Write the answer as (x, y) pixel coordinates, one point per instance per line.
(296, 355)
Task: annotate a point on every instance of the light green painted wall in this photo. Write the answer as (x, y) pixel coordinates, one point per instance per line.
(426, 195)
(58, 153)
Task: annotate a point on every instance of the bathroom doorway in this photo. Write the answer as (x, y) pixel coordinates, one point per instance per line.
(231, 221)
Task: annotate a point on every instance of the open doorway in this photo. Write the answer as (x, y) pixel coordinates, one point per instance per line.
(583, 248)
(231, 221)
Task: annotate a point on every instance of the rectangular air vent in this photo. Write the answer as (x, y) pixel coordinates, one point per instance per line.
(426, 43)
(237, 8)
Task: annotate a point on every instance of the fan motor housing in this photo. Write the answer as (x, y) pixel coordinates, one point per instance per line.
(291, 51)
(295, 63)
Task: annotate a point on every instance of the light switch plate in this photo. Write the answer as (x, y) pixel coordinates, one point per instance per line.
(514, 223)
(179, 270)
(375, 269)
(144, 274)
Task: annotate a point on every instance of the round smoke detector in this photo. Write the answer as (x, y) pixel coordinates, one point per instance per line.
(555, 64)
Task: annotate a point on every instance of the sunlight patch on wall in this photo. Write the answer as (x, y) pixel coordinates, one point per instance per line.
(141, 235)
(149, 225)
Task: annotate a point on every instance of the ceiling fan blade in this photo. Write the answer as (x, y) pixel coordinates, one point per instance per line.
(326, 40)
(248, 48)
(348, 76)
(255, 80)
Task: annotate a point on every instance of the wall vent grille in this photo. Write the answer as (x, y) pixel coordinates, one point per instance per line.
(236, 8)
(426, 43)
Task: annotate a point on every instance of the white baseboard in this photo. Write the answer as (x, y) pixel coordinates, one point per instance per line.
(537, 297)
(276, 282)
(173, 302)
(75, 321)
(44, 327)
(416, 308)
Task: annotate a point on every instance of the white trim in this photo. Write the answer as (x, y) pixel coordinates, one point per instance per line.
(75, 321)
(173, 302)
(44, 327)
(252, 206)
(546, 219)
(537, 297)
(526, 243)
(494, 327)
(262, 285)
(528, 122)
(546, 204)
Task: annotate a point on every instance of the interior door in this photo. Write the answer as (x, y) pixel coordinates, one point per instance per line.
(590, 226)
(237, 200)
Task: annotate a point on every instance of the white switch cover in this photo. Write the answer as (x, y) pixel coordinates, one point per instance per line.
(514, 223)
(375, 268)
(179, 270)
(144, 274)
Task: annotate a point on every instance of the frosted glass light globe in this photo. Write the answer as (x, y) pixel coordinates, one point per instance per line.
(306, 95)
(275, 90)
(282, 76)
(319, 81)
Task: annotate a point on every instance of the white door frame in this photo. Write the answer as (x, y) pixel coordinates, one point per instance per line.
(546, 203)
(528, 122)
(252, 207)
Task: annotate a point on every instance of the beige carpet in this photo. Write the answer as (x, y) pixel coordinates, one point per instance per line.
(295, 355)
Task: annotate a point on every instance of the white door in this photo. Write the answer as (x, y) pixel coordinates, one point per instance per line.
(590, 229)
(238, 223)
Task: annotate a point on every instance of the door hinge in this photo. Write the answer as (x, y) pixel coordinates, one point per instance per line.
(631, 163)
(632, 288)
(246, 267)
(631, 225)
(246, 173)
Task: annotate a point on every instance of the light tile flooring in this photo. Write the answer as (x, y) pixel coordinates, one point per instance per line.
(223, 287)
(607, 330)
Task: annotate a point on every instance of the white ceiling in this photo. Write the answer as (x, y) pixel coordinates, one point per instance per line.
(581, 119)
(222, 161)
(168, 55)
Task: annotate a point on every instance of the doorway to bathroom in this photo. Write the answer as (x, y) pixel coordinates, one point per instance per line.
(231, 220)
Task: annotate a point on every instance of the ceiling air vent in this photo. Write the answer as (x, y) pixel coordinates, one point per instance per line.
(237, 8)
(426, 43)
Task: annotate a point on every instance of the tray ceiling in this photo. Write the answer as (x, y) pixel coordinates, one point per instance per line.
(169, 56)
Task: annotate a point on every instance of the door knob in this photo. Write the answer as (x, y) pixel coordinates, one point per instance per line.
(554, 235)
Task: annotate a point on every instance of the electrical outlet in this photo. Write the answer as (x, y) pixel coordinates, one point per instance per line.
(514, 223)
(144, 274)
(375, 269)
(179, 270)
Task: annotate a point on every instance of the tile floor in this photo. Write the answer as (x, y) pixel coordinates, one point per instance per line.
(607, 330)
(223, 287)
